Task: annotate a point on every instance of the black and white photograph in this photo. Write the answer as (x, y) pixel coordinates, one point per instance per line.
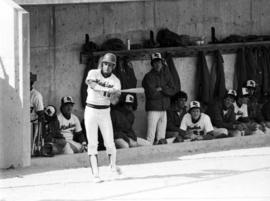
(124, 100)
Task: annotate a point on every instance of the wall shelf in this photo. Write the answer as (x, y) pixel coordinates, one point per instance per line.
(144, 54)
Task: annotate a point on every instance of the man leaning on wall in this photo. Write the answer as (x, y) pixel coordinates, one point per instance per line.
(36, 116)
(158, 90)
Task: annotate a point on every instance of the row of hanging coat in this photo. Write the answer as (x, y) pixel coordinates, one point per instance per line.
(252, 63)
(210, 86)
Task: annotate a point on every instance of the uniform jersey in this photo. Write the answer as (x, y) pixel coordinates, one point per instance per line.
(100, 97)
(69, 126)
(201, 127)
(36, 104)
(241, 111)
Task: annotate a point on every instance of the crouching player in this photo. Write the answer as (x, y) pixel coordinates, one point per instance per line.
(196, 125)
(102, 84)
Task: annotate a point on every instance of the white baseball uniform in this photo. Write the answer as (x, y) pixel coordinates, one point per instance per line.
(241, 111)
(97, 112)
(36, 104)
(200, 127)
(69, 126)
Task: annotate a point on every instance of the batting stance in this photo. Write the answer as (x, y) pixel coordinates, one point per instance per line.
(102, 85)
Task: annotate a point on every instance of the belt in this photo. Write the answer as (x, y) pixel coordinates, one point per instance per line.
(97, 106)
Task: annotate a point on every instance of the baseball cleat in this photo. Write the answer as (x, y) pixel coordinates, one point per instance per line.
(97, 180)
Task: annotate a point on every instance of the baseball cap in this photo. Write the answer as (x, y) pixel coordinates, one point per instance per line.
(156, 56)
(194, 104)
(244, 92)
(129, 99)
(231, 92)
(67, 99)
(251, 83)
(50, 110)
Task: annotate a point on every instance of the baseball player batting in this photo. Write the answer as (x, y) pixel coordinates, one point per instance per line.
(102, 84)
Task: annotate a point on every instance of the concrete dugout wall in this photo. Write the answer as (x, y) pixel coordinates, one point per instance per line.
(14, 86)
(57, 33)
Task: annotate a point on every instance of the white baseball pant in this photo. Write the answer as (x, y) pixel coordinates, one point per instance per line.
(156, 125)
(94, 119)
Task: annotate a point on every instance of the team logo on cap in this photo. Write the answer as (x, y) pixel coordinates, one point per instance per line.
(194, 104)
(129, 99)
(251, 83)
(156, 55)
(67, 99)
(232, 92)
(244, 91)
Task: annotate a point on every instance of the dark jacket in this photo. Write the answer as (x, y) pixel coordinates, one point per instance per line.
(266, 111)
(254, 110)
(174, 119)
(203, 82)
(122, 120)
(219, 88)
(125, 73)
(158, 100)
(52, 129)
(218, 118)
(173, 71)
(240, 75)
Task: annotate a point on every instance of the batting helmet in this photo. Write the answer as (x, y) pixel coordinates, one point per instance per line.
(110, 58)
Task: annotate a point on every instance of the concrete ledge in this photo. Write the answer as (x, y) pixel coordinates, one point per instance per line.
(59, 2)
(150, 154)
(155, 153)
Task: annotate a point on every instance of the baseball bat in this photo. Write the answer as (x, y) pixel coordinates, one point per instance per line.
(139, 90)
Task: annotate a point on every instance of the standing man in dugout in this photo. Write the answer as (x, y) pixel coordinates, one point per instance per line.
(159, 88)
(36, 116)
(102, 86)
(36, 101)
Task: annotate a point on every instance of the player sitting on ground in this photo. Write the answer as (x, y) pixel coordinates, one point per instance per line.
(175, 115)
(54, 140)
(255, 113)
(196, 125)
(70, 127)
(266, 115)
(223, 116)
(241, 113)
(123, 119)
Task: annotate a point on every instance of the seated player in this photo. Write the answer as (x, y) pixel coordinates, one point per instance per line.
(223, 116)
(175, 115)
(240, 106)
(254, 108)
(242, 115)
(255, 111)
(266, 115)
(196, 125)
(53, 139)
(122, 120)
(70, 127)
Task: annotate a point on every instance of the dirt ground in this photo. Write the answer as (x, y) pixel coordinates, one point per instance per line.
(228, 175)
